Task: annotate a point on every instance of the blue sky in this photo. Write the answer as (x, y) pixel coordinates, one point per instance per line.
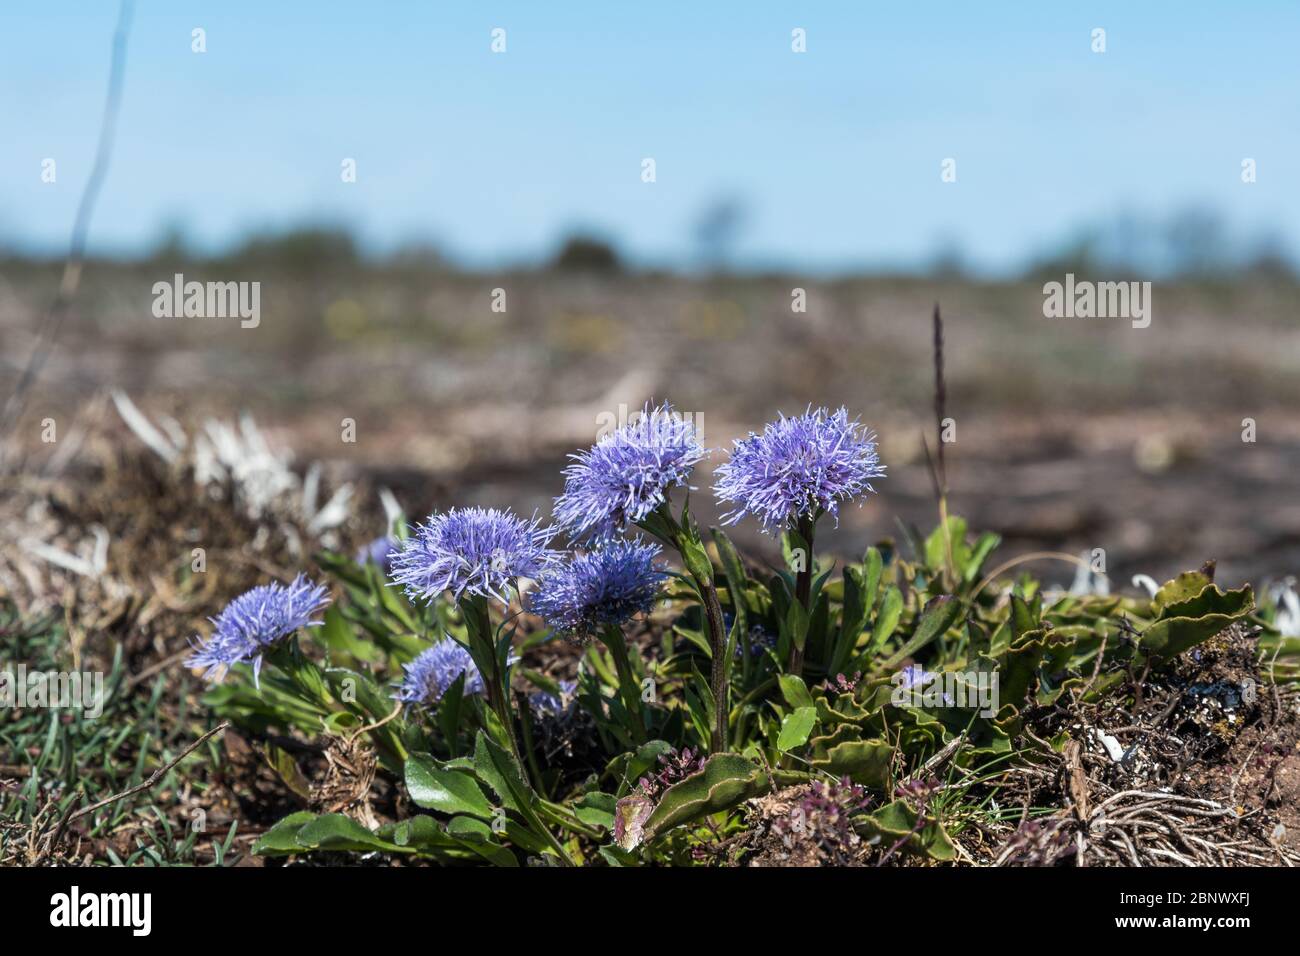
(835, 152)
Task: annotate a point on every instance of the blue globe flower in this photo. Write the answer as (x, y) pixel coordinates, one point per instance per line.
(798, 468)
(253, 622)
(477, 551)
(432, 672)
(602, 588)
(627, 474)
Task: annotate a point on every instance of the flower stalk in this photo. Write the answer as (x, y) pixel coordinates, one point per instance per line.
(628, 686)
(483, 649)
(686, 539)
(803, 589)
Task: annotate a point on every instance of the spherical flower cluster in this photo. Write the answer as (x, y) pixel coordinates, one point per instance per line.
(434, 671)
(627, 474)
(798, 468)
(253, 622)
(476, 551)
(602, 588)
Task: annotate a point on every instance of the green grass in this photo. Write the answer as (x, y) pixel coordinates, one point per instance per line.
(59, 760)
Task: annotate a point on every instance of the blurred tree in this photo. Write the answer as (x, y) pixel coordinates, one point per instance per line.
(586, 254)
(304, 250)
(716, 230)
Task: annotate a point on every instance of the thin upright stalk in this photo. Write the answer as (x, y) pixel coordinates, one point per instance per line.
(628, 688)
(941, 472)
(494, 686)
(718, 678)
(662, 525)
(530, 750)
(803, 589)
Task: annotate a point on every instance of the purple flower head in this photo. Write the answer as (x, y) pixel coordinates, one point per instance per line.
(477, 551)
(378, 551)
(602, 588)
(627, 474)
(798, 468)
(432, 672)
(253, 622)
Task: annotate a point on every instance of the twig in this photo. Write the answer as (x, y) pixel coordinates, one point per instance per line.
(138, 788)
(1024, 559)
(153, 669)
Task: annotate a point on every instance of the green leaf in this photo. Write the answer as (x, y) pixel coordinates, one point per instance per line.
(887, 618)
(337, 634)
(447, 791)
(795, 728)
(282, 838)
(978, 555)
(864, 761)
(500, 771)
(1186, 623)
(478, 836)
(641, 760)
(873, 568)
(795, 691)
(449, 708)
(794, 627)
(336, 831)
(734, 570)
(1184, 587)
(1023, 618)
(596, 810)
(694, 556)
(818, 626)
(727, 780)
(287, 769)
(897, 820)
(939, 615)
(936, 546)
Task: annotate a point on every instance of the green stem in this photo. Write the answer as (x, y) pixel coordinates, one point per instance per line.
(628, 686)
(493, 680)
(662, 525)
(561, 817)
(803, 590)
(498, 696)
(718, 677)
(950, 563)
(526, 724)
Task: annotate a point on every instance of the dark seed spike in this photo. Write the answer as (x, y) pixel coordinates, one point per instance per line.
(940, 396)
